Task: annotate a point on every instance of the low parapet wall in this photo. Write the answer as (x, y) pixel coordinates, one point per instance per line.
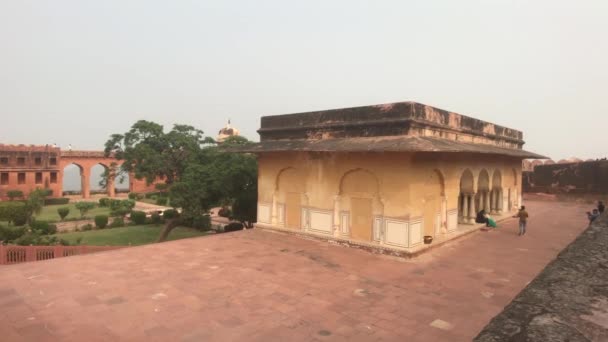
(567, 301)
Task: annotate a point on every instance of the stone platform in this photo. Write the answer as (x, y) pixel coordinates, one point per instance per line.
(256, 285)
(568, 301)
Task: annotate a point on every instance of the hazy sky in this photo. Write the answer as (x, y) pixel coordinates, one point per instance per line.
(74, 72)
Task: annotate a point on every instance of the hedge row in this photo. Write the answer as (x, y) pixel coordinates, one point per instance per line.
(55, 201)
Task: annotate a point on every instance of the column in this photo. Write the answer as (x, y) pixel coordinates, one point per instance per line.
(472, 210)
(85, 177)
(486, 199)
(110, 187)
(444, 215)
(499, 202)
(336, 226)
(274, 217)
(465, 208)
(460, 208)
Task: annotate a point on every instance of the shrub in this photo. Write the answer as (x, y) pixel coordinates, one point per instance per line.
(101, 221)
(21, 216)
(84, 207)
(9, 234)
(138, 217)
(47, 192)
(117, 222)
(161, 201)
(56, 201)
(43, 227)
(35, 238)
(224, 212)
(129, 204)
(114, 204)
(87, 226)
(135, 196)
(27, 239)
(124, 204)
(152, 194)
(200, 222)
(104, 202)
(15, 212)
(155, 218)
(63, 212)
(119, 212)
(12, 194)
(170, 214)
(233, 226)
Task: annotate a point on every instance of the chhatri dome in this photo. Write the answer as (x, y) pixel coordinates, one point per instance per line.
(226, 132)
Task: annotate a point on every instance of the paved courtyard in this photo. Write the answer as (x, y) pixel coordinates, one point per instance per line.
(263, 286)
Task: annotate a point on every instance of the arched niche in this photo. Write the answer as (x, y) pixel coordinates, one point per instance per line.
(290, 197)
(360, 202)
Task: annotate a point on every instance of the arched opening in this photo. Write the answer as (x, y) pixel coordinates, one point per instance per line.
(465, 199)
(496, 202)
(98, 182)
(121, 181)
(482, 197)
(108, 179)
(359, 199)
(73, 182)
(434, 213)
(290, 198)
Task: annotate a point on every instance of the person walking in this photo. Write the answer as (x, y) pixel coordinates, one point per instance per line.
(522, 214)
(601, 207)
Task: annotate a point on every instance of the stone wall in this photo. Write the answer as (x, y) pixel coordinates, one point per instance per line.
(568, 300)
(382, 198)
(579, 178)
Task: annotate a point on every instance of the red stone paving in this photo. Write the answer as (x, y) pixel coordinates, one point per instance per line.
(262, 286)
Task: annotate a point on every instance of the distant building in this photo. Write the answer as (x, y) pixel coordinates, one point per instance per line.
(226, 132)
(26, 168)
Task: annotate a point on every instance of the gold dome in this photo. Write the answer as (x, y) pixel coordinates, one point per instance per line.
(226, 132)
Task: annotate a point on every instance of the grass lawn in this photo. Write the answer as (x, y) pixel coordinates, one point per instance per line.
(49, 212)
(135, 235)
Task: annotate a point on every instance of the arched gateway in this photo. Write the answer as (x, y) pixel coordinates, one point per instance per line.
(28, 167)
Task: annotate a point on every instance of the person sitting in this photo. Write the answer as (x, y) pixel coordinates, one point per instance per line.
(482, 217)
(592, 216)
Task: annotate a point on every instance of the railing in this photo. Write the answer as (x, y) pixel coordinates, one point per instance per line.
(12, 254)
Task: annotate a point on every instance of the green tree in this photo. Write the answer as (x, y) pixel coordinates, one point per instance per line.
(219, 177)
(240, 179)
(198, 174)
(35, 202)
(150, 153)
(84, 207)
(13, 212)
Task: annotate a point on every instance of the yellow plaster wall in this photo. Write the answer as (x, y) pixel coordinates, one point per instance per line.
(403, 185)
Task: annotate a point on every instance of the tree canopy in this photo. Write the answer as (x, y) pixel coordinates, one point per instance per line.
(197, 174)
(150, 153)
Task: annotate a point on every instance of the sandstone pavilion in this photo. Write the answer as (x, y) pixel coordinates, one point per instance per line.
(393, 178)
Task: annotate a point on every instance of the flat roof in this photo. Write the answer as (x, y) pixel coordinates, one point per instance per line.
(379, 120)
(381, 144)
